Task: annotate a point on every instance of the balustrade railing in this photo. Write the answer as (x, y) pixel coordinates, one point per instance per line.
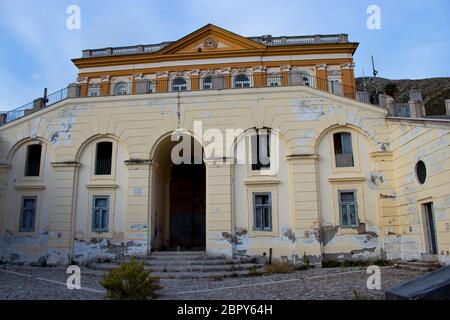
(177, 84)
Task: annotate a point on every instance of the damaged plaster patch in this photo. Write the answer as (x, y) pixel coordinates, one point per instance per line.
(375, 179)
(98, 249)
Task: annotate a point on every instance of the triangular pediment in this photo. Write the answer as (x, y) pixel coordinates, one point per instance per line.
(211, 38)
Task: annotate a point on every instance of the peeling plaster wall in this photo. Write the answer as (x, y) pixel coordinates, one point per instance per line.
(30, 247)
(306, 213)
(349, 243)
(89, 245)
(245, 241)
(430, 144)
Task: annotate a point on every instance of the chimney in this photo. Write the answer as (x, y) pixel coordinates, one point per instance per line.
(416, 106)
(447, 107)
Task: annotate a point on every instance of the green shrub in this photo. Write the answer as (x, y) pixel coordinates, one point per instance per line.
(130, 282)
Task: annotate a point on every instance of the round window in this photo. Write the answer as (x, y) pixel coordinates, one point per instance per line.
(421, 172)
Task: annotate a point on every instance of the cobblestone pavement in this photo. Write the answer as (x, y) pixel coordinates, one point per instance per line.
(334, 284)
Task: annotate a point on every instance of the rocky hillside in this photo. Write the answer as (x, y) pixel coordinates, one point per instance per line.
(434, 91)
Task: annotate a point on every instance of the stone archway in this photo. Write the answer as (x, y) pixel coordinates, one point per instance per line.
(178, 216)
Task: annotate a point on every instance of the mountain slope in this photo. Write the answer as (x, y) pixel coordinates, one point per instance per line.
(434, 91)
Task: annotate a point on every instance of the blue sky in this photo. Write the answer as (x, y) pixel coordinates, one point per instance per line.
(36, 47)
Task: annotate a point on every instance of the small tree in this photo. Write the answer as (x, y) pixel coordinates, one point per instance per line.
(391, 89)
(130, 282)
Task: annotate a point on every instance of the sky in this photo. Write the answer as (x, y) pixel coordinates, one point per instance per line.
(36, 47)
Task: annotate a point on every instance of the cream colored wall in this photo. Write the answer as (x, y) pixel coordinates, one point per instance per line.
(302, 116)
(429, 142)
(246, 181)
(29, 247)
(89, 245)
(340, 242)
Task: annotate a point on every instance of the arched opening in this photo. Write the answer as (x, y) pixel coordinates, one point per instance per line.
(178, 197)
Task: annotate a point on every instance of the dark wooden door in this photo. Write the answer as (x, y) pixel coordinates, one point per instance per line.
(188, 207)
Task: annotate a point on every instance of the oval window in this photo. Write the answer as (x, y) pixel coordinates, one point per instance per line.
(421, 172)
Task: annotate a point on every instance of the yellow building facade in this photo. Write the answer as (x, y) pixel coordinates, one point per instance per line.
(91, 175)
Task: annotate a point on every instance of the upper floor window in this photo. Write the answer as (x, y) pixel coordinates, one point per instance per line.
(261, 149)
(273, 80)
(27, 214)
(103, 158)
(262, 211)
(100, 214)
(348, 209)
(241, 81)
(93, 90)
(207, 83)
(121, 88)
(343, 149)
(33, 160)
(179, 84)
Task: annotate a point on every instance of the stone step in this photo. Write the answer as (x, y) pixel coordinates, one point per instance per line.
(195, 272)
(184, 258)
(419, 268)
(190, 262)
(201, 268)
(178, 253)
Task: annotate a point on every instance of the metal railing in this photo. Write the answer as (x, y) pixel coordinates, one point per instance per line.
(210, 82)
(344, 160)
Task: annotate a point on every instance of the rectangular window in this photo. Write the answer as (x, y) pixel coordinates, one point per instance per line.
(103, 160)
(348, 209)
(262, 211)
(100, 214)
(273, 80)
(33, 160)
(27, 214)
(261, 150)
(93, 91)
(343, 149)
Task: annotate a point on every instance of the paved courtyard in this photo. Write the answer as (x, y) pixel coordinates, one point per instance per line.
(20, 282)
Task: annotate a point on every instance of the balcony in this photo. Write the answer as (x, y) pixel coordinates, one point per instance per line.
(181, 84)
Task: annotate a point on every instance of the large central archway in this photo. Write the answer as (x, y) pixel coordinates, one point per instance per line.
(178, 216)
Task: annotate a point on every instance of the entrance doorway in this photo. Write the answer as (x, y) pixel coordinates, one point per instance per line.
(430, 228)
(178, 216)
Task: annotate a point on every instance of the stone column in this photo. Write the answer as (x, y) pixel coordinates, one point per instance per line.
(322, 77)
(259, 76)
(106, 86)
(138, 207)
(136, 78)
(162, 82)
(62, 215)
(83, 86)
(4, 173)
(195, 80)
(227, 78)
(348, 80)
(219, 206)
(285, 70)
(305, 206)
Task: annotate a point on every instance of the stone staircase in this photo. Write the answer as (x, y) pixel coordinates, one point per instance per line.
(421, 266)
(189, 264)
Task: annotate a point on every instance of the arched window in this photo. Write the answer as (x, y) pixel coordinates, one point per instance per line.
(207, 83)
(260, 143)
(33, 160)
(120, 88)
(103, 158)
(241, 81)
(93, 90)
(343, 149)
(179, 84)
